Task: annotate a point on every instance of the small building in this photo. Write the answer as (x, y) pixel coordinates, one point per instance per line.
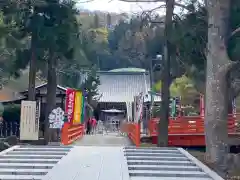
(41, 96)
(118, 87)
(7, 95)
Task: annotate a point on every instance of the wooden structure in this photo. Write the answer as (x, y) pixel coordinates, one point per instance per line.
(41, 95)
(189, 131)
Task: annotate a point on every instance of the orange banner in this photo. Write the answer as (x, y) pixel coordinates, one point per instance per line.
(77, 108)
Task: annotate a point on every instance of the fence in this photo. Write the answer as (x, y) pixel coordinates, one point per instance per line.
(13, 129)
(187, 131)
(71, 133)
(133, 132)
(9, 129)
(187, 125)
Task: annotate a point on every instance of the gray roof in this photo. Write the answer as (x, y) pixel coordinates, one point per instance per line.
(44, 85)
(123, 86)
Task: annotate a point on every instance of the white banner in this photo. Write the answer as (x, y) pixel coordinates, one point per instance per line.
(129, 111)
(56, 118)
(138, 109)
(29, 123)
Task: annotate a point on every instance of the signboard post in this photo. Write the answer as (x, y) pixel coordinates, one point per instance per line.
(29, 122)
(138, 107)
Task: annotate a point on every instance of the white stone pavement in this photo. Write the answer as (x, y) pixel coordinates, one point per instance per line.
(91, 163)
(110, 139)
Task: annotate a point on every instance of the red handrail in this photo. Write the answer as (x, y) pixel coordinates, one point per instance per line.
(71, 133)
(133, 132)
(187, 125)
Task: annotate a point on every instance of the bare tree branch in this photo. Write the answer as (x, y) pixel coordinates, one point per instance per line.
(148, 1)
(235, 31)
(87, 1)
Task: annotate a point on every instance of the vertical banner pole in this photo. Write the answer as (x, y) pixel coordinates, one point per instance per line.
(202, 108)
(234, 108)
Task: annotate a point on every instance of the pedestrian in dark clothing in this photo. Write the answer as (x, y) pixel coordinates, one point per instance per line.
(89, 126)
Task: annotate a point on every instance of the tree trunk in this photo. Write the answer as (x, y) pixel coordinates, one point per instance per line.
(216, 87)
(164, 115)
(51, 97)
(32, 69)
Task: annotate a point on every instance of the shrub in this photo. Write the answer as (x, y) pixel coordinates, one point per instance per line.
(12, 113)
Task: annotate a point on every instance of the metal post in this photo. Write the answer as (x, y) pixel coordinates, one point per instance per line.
(151, 80)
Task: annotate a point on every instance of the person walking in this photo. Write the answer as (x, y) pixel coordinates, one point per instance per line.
(89, 126)
(94, 125)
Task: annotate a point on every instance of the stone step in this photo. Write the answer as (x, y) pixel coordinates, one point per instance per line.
(153, 151)
(33, 161)
(164, 168)
(20, 177)
(23, 171)
(155, 154)
(38, 153)
(26, 165)
(29, 156)
(146, 162)
(153, 148)
(167, 178)
(152, 158)
(42, 149)
(176, 174)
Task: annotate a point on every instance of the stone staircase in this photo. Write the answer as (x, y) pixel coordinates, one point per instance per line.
(29, 162)
(165, 164)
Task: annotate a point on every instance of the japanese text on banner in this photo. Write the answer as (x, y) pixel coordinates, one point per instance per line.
(70, 98)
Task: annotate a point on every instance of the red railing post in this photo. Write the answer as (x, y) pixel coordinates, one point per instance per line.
(71, 133)
(137, 134)
(64, 133)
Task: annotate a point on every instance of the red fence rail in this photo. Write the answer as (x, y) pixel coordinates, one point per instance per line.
(186, 131)
(133, 132)
(71, 133)
(186, 125)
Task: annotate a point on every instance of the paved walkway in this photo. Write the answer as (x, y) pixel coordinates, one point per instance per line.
(129, 163)
(110, 139)
(91, 163)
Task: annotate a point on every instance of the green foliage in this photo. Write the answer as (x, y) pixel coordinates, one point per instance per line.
(12, 113)
(190, 37)
(136, 42)
(181, 87)
(90, 86)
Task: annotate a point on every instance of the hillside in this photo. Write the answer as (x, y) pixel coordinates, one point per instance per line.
(87, 18)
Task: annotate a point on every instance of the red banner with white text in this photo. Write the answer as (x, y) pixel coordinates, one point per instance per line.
(69, 109)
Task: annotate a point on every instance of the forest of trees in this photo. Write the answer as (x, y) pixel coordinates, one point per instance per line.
(200, 46)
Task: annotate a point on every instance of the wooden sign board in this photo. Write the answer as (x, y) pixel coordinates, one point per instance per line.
(29, 123)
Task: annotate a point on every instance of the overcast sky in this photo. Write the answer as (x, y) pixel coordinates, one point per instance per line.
(117, 6)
